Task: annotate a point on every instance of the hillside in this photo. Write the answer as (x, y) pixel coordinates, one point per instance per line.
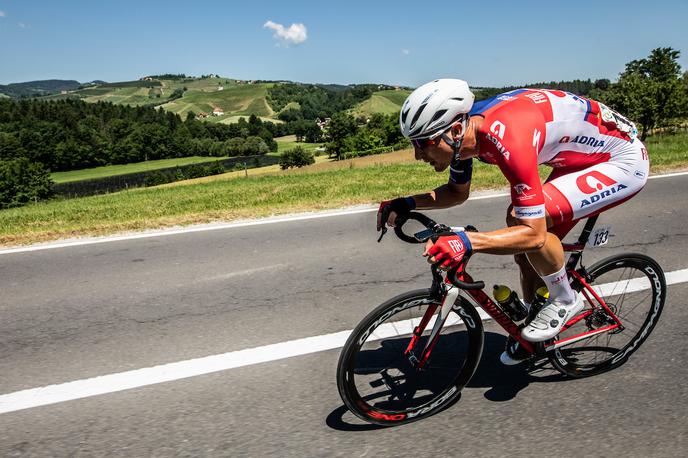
(38, 88)
(235, 98)
(201, 95)
(386, 102)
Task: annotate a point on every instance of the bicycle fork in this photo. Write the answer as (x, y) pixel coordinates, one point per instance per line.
(446, 307)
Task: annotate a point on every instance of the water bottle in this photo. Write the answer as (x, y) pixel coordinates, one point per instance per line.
(539, 301)
(510, 303)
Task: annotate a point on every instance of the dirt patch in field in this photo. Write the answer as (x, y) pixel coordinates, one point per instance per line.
(322, 164)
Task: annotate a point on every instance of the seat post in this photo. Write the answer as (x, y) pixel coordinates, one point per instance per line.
(589, 225)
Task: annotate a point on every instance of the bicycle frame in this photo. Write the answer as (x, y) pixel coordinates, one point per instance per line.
(479, 299)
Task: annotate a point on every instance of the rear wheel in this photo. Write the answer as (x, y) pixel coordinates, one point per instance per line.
(382, 385)
(634, 288)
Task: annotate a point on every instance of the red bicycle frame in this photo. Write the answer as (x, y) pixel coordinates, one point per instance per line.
(479, 299)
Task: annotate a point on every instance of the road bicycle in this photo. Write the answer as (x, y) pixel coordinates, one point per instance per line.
(411, 356)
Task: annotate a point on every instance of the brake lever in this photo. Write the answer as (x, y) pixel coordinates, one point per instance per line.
(386, 210)
(383, 231)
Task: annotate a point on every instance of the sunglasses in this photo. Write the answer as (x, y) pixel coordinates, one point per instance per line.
(423, 143)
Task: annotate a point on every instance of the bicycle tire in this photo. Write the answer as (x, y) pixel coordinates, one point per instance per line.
(632, 273)
(370, 360)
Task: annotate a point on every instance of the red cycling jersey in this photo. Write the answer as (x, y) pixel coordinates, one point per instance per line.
(528, 127)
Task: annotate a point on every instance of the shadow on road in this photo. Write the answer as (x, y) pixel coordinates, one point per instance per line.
(504, 383)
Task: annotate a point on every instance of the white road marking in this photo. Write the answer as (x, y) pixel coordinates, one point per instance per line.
(667, 175)
(53, 394)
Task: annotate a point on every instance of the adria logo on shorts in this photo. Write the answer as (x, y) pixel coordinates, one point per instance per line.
(595, 183)
(456, 245)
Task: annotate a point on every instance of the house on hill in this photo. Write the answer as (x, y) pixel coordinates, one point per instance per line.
(202, 115)
(322, 123)
(217, 111)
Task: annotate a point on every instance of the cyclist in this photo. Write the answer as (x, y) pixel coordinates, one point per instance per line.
(598, 163)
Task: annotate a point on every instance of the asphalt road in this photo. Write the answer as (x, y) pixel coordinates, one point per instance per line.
(74, 313)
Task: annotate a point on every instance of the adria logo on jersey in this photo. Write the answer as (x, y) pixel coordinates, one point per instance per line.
(498, 129)
(598, 184)
(583, 140)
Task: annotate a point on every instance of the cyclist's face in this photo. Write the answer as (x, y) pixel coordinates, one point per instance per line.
(435, 152)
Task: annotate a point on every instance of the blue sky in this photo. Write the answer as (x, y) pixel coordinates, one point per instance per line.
(491, 43)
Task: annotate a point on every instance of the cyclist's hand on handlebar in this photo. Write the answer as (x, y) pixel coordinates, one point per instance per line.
(392, 208)
(448, 249)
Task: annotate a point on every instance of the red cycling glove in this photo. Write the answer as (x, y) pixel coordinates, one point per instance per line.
(450, 250)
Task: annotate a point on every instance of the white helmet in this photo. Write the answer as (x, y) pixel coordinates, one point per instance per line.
(434, 107)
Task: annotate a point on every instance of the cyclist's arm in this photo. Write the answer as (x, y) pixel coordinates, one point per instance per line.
(526, 235)
(516, 156)
(445, 196)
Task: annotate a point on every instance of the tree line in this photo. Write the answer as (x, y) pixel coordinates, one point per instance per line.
(652, 91)
(72, 134)
(316, 101)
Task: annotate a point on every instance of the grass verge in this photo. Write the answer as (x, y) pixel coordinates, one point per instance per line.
(231, 196)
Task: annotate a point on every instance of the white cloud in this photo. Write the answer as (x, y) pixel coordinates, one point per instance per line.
(405, 52)
(2, 14)
(295, 34)
(21, 25)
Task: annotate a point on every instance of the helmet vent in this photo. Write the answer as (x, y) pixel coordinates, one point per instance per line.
(404, 115)
(438, 115)
(417, 115)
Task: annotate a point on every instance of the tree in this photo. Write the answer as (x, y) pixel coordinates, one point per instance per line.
(22, 181)
(297, 157)
(650, 90)
(10, 146)
(340, 128)
(255, 145)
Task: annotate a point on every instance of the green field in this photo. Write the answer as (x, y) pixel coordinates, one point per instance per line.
(283, 144)
(386, 102)
(111, 170)
(289, 142)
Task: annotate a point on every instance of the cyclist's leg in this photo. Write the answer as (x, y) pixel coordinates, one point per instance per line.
(530, 279)
(579, 194)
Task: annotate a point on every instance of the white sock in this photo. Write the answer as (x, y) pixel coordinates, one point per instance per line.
(559, 288)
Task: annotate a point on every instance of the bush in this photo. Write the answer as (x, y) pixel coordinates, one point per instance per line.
(297, 157)
(156, 178)
(22, 181)
(215, 169)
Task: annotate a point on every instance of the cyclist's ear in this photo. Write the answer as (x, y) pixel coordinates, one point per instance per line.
(457, 129)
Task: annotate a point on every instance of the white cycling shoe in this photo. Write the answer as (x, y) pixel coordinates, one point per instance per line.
(513, 353)
(549, 321)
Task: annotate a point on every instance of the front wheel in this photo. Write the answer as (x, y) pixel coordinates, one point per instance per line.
(634, 288)
(378, 380)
